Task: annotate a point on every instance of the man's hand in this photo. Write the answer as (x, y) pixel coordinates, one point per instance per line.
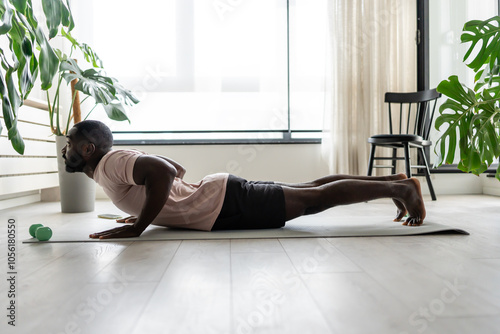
(126, 231)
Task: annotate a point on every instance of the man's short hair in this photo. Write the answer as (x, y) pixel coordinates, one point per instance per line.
(95, 132)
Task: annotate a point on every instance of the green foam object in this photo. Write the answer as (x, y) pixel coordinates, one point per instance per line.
(33, 229)
(43, 233)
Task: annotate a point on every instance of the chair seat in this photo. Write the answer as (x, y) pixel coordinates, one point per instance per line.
(388, 139)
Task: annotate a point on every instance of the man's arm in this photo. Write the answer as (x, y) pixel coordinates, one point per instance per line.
(180, 169)
(157, 175)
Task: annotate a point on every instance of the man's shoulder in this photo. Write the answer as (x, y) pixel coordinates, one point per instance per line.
(115, 155)
(125, 152)
(116, 163)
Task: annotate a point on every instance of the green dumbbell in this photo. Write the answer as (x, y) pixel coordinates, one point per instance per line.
(33, 229)
(43, 233)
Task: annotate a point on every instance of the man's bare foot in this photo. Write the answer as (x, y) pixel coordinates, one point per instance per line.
(414, 203)
(401, 212)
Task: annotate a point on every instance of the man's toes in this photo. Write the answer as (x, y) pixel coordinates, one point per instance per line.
(399, 216)
(413, 221)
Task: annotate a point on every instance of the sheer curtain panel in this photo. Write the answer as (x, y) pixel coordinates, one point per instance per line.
(373, 50)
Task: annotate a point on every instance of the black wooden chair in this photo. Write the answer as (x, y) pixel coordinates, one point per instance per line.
(409, 128)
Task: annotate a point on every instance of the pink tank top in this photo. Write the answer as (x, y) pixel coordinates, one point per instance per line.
(189, 205)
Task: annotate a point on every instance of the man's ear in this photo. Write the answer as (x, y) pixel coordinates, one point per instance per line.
(88, 149)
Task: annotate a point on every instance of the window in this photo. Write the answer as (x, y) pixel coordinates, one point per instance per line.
(213, 70)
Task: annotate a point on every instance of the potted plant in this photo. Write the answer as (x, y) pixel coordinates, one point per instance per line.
(32, 54)
(472, 115)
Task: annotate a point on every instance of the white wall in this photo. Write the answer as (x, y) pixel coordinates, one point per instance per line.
(491, 186)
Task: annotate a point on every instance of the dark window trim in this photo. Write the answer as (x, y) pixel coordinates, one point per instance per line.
(423, 77)
(216, 142)
(453, 169)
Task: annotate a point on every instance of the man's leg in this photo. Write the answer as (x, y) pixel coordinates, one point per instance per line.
(303, 201)
(338, 177)
(401, 209)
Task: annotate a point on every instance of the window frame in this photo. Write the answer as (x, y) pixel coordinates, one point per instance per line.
(287, 135)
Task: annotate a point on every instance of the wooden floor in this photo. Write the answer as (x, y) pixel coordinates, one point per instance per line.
(417, 284)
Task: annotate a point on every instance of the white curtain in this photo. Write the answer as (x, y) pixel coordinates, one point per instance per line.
(373, 51)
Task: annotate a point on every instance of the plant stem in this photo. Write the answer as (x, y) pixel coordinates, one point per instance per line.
(90, 112)
(86, 97)
(56, 105)
(51, 113)
(70, 108)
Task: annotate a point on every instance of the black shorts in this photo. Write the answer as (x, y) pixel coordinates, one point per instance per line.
(251, 205)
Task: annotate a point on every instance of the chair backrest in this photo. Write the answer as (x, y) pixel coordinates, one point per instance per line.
(416, 111)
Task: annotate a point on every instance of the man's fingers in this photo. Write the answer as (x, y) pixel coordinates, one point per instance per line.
(126, 231)
(124, 220)
(104, 233)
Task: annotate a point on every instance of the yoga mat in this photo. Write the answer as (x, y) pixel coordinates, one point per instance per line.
(303, 227)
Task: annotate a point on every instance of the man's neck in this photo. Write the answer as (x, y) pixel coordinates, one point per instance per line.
(93, 162)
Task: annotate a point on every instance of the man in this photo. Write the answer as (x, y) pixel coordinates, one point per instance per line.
(151, 188)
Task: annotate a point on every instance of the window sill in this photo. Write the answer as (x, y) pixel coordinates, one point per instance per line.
(216, 142)
(235, 137)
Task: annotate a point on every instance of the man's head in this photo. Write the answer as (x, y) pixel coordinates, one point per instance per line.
(86, 141)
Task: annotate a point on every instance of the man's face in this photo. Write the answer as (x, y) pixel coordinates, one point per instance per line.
(71, 152)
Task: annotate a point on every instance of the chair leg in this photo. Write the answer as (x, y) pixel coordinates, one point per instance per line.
(407, 160)
(427, 173)
(370, 161)
(394, 161)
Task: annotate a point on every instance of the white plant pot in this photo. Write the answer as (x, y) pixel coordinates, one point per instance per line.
(77, 189)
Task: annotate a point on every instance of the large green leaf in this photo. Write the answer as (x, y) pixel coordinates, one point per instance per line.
(485, 35)
(116, 111)
(88, 53)
(48, 60)
(455, 112)
(22, 47)
(10, 105)
(6, 19)
(66, 16)
(103, 89)
(124, 94)
(89, 82)
(20, 5)
(52, 11)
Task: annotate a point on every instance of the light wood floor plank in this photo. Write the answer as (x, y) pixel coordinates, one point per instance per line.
(96, 308)
(193, 295)
(270, 297)
(355, 303)
(141, 261)
(256, 246)
(317, 255)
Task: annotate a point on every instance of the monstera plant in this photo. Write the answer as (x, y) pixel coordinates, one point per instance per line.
(26, 53)
(472, 115)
